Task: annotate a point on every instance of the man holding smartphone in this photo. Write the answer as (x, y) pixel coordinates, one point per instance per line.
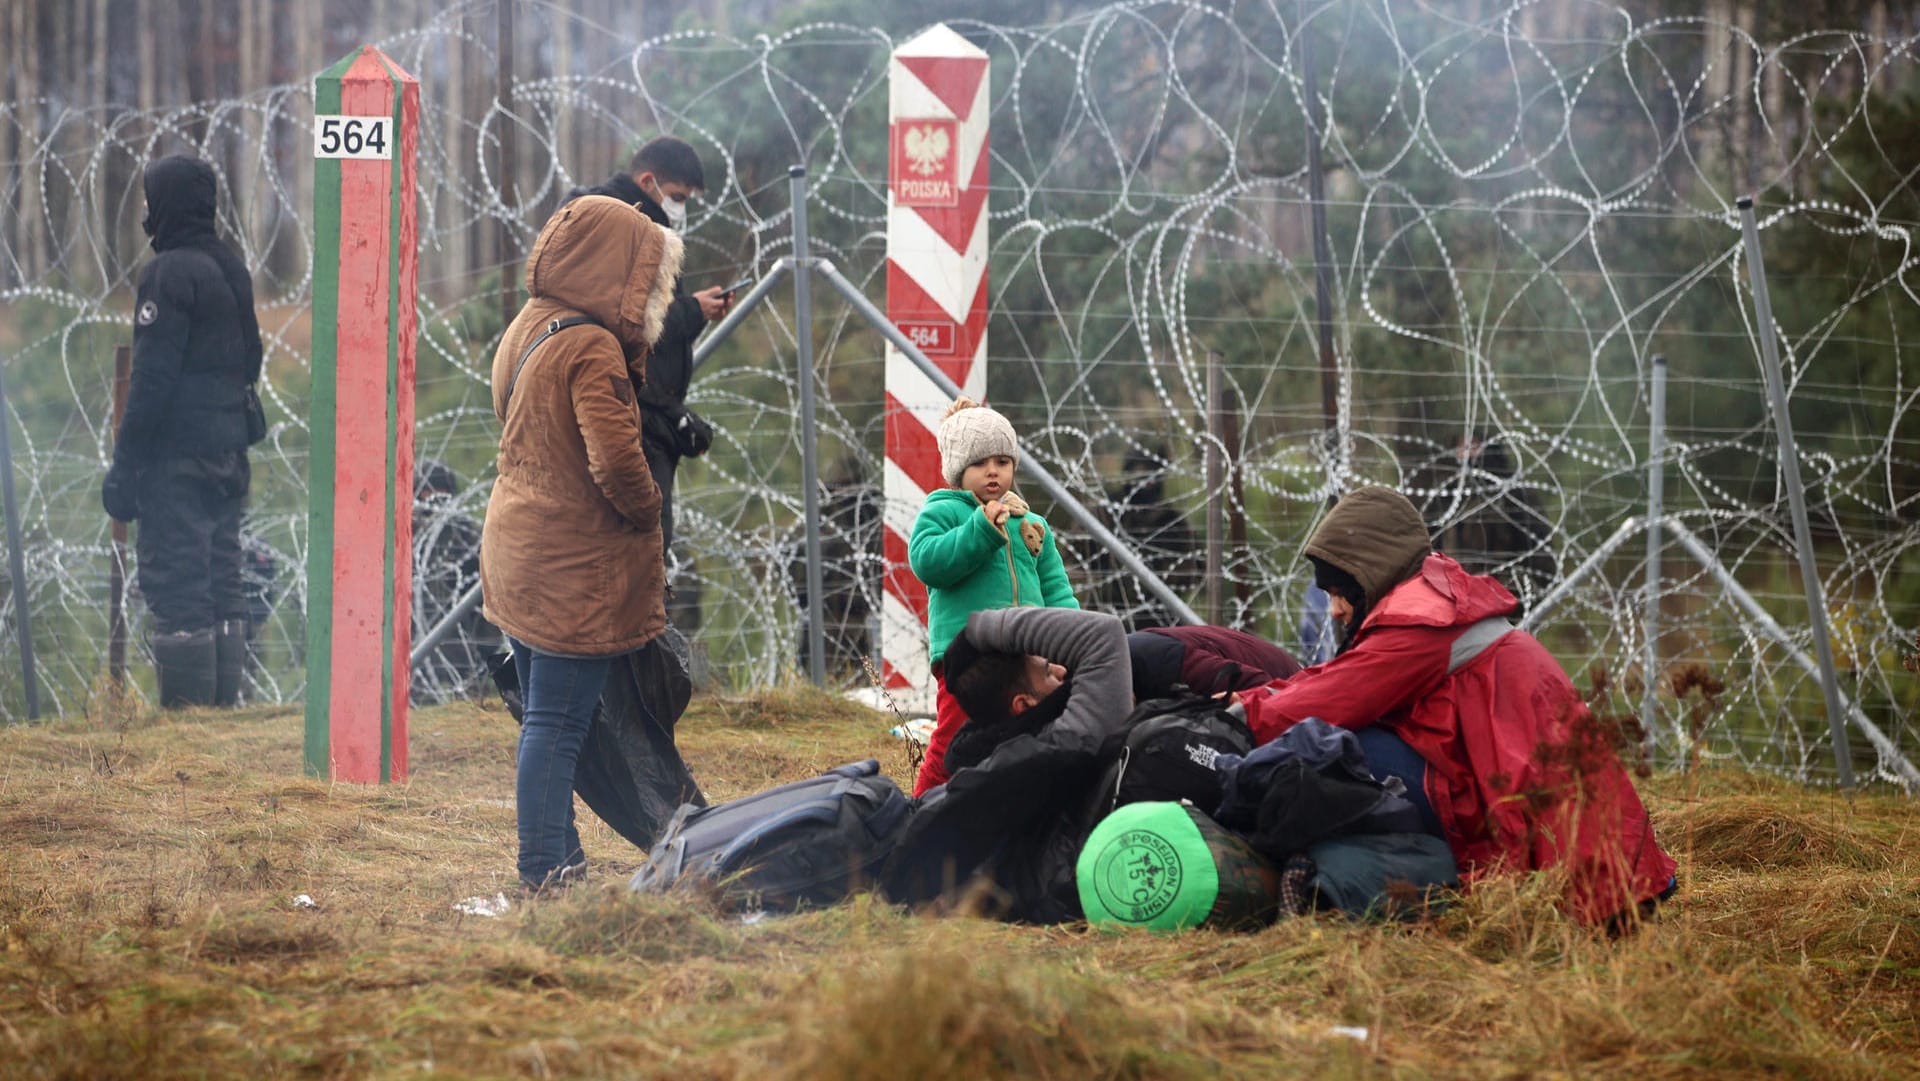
(663, 174)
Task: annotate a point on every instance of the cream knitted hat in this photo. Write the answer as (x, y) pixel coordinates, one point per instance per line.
(970, 432)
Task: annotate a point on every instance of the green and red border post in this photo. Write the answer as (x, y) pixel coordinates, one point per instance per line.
(360, 472)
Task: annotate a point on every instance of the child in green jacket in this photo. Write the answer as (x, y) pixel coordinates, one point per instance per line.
(977, 546)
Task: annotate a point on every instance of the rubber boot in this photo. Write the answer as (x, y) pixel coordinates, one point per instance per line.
(184, 661)
(229, 661)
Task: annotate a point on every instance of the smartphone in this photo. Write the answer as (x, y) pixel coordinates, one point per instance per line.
(736, 287)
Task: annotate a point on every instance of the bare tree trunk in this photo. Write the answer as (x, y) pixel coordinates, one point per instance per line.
(69, 37)
(1877, 48)
(1744, 107)
(459, 240)
(564, 45)
(506, 61)
(1716, 134)
(9, 223)
(148, 45)
(309, 29)
(250, 192)
(283, 140)
(69, 50)
(203, 76)
(313, 39)
(120, 202)
(1780, 127)
(97, 95)
(97, 33)
(32, 118)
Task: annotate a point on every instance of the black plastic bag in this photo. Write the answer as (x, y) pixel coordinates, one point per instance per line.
(630, 771)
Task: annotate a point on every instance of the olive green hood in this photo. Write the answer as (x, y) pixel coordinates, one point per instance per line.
(1374, 534)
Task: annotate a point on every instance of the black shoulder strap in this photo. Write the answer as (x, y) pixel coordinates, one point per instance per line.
(554, 327)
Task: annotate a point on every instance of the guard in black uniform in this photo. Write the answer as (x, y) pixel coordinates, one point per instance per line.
(180, 460)
(663, 174)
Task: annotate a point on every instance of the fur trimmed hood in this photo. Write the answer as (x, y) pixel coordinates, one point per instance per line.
(603, 258)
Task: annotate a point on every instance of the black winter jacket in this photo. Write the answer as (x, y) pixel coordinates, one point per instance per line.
(1019, 817)
(196, 343)
(663, 400)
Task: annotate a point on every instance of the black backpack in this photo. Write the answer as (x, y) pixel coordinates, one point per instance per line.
(1167, 750)
(810, 842)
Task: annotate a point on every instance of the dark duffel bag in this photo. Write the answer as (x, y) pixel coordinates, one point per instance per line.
(807, 843)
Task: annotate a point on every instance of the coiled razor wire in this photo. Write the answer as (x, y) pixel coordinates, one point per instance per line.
(1523, 207)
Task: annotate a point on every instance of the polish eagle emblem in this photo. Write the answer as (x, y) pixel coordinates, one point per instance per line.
(927, 149)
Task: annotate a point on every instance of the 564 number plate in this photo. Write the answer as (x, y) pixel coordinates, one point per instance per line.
(353, 137)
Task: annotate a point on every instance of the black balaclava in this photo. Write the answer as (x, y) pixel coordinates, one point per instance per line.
(1377, 539)
(181, 193)
(1332, 580)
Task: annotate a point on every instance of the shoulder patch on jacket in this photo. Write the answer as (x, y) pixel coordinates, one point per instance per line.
(622, 388)
(149, 311)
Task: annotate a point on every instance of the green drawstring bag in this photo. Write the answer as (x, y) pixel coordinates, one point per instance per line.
(1167, 867)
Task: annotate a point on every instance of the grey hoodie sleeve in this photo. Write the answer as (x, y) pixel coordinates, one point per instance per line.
(1092, 646)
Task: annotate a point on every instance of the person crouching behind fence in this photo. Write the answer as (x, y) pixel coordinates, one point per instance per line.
(977, 547)
(1515, 772)
(571, 559)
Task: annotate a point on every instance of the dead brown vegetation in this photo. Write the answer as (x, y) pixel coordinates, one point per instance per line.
(148, 928)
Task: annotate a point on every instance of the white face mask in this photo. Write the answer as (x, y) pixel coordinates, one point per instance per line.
(675, 209)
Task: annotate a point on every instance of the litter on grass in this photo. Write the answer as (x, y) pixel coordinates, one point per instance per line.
(497, 905)
(919, 730)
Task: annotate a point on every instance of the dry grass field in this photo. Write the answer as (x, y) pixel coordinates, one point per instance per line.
(149, 866)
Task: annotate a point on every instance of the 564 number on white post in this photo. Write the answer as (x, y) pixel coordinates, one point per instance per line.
(353, 137)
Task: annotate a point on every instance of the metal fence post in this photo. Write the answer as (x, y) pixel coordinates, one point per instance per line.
(810, 474)
(1216, 485)
(1656, 483)
(117, 566)
(1796, 495)
(1890, 756)
(17, 561)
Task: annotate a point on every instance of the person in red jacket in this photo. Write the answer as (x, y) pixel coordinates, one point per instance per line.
(1518, 774)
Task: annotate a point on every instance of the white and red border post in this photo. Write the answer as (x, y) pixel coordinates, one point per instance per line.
(937, 296)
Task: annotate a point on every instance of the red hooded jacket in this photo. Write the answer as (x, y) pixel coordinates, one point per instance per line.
(1519, 774)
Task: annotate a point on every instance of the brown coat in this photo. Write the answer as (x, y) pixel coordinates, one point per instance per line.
(571, 560)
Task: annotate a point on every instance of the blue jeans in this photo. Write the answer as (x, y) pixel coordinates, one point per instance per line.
(1388, 755)
(558, 695)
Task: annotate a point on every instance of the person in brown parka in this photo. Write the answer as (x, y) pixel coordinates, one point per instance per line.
(571, 560)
